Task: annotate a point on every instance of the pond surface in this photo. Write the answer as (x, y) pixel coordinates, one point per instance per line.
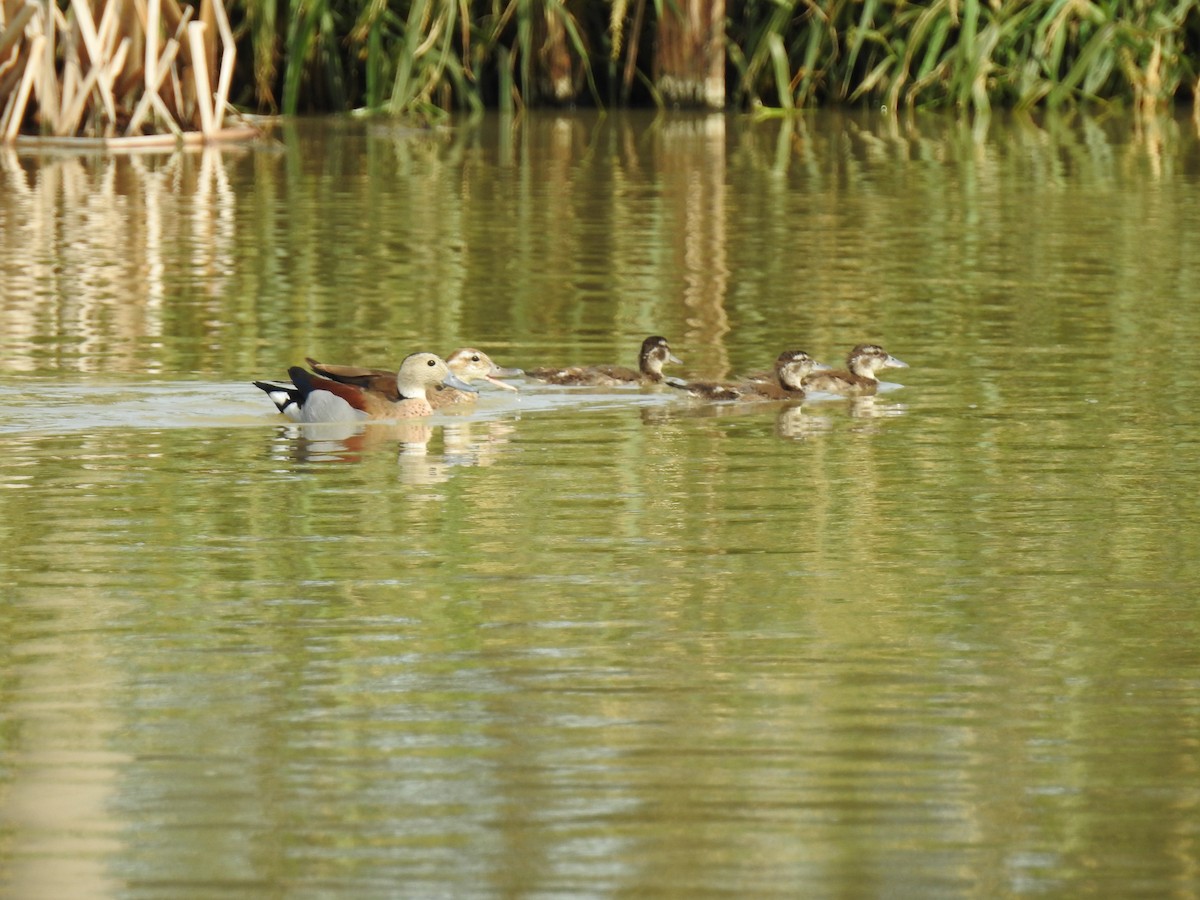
(606, 642)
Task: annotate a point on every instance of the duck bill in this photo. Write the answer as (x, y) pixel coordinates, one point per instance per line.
(893, 363)
(821, 367)
(494, 376)
(672, 358)
(452, 380)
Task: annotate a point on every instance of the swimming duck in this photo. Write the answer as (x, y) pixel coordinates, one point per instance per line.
(466, 363)
(311, 398)
(791, 368)
(858, 378)
(785, 383)
(655, 353)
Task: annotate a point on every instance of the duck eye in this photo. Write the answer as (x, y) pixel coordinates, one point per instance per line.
(475, 358)
(431, 363)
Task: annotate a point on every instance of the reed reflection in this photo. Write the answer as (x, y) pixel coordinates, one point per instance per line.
(560, 227)
(94, 245)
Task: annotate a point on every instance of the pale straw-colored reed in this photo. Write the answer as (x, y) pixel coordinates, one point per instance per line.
(124, 73)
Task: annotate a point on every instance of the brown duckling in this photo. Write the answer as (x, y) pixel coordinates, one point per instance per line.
(311, 398)
(858, 378)
(466, 363)
(791, 368)
(785, 383)
(655, 353)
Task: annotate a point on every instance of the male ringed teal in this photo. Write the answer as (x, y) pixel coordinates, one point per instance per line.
(467, 364)
(312, 398)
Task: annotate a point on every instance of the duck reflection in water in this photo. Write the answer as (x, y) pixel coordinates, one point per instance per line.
(354, 442)
(463, 444)
(418, 456)
(791, 420)
(794, 424)
(874, 407)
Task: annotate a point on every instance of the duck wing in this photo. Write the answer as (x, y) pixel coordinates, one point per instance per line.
(381, 381)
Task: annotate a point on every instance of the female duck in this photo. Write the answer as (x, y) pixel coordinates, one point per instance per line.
(466, 363)
(858, 378)
(311, 398)
(786, 383)
(655, 354)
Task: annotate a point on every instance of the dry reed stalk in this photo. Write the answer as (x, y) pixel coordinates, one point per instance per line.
(228, 61)
(76, 87)
(106, 30)
(72, 84)
(15, 77)
(195, 33)
(150, 66)
(94, 65)
(36, 48)
(207, 15)
(12, 68)
(46, 87)
(13, 30)
(161, 68)
(181, 20)
(129, 79)
(72, 114)
(113, 68)
(151, 142)
(95, 48)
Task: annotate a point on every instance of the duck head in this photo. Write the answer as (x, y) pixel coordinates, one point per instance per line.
(793, 366)
(655, 354)
(467, 363)
(867, 359)
(421, 371)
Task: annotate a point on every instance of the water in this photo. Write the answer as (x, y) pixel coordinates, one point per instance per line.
(605, 642)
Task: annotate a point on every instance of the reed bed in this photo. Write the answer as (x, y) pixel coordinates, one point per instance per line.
(969, 54)
(425, 58)
(143, 73)
(433, 55)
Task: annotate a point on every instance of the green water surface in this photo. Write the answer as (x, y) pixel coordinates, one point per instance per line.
(611, 642)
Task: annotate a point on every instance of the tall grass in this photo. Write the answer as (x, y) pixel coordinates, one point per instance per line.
(968, 54)
(427, 57)
(420, 56)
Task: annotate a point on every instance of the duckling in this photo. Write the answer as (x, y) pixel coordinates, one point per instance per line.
(785, 383)
(858, 378)
(311, 398)
(466, 363)
(655, 353)
(791, 368)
